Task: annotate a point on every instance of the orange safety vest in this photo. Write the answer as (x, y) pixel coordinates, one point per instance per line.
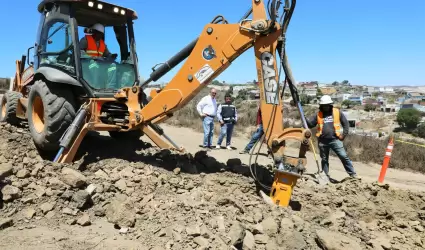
(92, 49)
(337, 122)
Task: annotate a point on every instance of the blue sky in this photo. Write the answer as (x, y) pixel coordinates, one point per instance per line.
(377, 42)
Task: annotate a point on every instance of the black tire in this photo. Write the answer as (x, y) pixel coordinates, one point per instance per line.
(51, 109)
(9, 105)
(133, 135)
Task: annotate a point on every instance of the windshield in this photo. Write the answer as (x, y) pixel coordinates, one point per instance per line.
(107, 61)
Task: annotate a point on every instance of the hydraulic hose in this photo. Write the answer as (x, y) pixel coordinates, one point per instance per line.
(68, 137)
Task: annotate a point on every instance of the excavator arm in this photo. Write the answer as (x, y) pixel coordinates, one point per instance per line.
(218, 45)
(212, 53)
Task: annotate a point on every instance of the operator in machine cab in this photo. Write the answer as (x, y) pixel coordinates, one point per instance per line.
(93, 46)
(332, 128)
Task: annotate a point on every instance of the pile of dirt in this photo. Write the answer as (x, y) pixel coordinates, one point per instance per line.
(178, 201)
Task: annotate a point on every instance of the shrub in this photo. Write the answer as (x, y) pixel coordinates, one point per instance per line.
(408, 118)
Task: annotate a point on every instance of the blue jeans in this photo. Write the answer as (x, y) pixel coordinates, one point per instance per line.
(208, 123)
(226, 130)
(338, 147)
(255, 137)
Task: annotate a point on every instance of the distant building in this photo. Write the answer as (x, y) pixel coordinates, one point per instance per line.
(328, 90)
(413, 105)
(415, 96)
(356, 99)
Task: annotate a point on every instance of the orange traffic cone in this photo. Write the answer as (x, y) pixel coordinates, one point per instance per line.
(387, 158)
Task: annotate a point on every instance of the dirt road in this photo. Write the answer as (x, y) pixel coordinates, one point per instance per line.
(191, 140)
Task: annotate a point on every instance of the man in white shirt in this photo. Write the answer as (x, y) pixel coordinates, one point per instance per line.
(207, 109)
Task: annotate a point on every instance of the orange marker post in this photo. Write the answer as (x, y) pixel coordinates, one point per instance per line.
(387, 158)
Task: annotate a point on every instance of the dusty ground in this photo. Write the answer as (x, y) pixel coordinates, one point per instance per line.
(133, 196)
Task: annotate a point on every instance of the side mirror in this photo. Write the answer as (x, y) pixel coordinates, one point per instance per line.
(28, 56)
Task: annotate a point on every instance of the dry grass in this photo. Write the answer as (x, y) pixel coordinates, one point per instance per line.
(359, 148)
(372, 150)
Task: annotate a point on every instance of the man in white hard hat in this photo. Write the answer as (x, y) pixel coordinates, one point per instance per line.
(93, 45)
(332, 128)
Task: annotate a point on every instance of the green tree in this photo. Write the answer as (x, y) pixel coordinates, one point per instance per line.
(230, 91)
(345, 82)
(242, 94)
(408, 118)
(335, 83)
(348, 103)
(305, 99)
(319, 93)
(369, 107)
(215, 82)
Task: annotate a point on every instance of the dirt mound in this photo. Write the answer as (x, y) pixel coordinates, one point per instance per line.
(179, 201)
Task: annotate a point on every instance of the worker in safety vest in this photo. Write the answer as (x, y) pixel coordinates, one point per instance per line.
(227, 116)
(93, 45)
(332, 128)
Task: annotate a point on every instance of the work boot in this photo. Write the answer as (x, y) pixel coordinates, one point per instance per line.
(355, 176)
(244, 152)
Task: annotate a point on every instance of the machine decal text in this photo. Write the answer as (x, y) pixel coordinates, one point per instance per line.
(204, 73)
(269, 78)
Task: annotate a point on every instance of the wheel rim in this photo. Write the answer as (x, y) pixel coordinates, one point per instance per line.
(3, 107)
(38, 114)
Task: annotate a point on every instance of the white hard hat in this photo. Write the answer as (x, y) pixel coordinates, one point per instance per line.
(325, 100)
(99, 27)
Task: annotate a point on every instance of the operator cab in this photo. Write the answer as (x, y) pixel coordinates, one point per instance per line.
(64, 23)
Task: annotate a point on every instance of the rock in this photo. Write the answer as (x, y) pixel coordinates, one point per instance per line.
(23, 173)
(5, 223)
(29, 213)
(193, 230)
(380, 243)
(176, 171)
(57, 184)
(270, 226)
(272, 245)
(121, 212)
(10, 193)
(6, 169)
(261, 239)
(286, 224)
(69, 211)
(201, 241)
(46, 207)
(37, 169)
(419, 228)
(73, 178)
(99, 211)
(50, 214)
(80, 199)
(293, 240)
(91, 189)
(101, 174)
(331, 240)
(84, 220)
(248, 241)
(205, 232)
(236, 233)
(121, 185)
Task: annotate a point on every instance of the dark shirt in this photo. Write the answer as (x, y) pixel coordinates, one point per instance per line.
(328, 131)
(84, 45)
(259, 117)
